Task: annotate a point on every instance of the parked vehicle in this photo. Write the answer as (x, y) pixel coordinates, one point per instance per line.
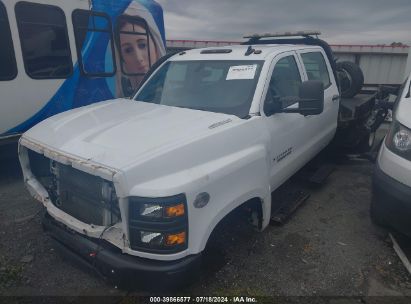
(136, 187)
(59, 55)
(391, 201)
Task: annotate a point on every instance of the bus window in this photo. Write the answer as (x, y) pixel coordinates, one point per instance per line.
(134, 45)
(96, 27)
(44, 40)
(8, 69)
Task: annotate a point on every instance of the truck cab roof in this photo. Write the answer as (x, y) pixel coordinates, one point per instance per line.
(239, 52)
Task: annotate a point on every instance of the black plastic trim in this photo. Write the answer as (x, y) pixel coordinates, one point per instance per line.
(392, 201)
(162, 225)
(216, 51)
(121, 269)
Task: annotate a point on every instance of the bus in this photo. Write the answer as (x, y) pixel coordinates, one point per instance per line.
(58, 55)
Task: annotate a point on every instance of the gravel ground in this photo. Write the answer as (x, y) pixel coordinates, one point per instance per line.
(328, 248)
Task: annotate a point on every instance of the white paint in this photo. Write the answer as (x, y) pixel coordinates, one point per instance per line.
(392, 164)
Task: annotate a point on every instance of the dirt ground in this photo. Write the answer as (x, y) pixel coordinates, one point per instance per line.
(328, 248)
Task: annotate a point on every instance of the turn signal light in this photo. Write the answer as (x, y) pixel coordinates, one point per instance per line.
(176, 210)
(175, 239)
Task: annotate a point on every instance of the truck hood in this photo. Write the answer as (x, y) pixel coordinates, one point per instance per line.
(116, 133)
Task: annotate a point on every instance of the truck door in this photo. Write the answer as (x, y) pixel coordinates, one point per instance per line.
(291, 134)
(317, 67)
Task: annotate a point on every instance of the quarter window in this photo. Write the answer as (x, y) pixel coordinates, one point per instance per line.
(8, 70)
(44, 40)
(316, 67)
(96, 59)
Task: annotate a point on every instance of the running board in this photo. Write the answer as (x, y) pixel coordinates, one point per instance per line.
(289, 202)
(321, 174)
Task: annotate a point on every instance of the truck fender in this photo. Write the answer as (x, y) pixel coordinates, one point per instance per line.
(263, 195)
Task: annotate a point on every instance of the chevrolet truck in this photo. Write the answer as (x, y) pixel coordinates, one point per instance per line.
(135, 187)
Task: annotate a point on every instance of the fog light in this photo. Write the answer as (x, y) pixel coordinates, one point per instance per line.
(175, 239)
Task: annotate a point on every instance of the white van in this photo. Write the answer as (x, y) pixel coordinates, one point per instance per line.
(391, 204)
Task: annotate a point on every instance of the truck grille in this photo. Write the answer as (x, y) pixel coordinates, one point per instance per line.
(86, 197)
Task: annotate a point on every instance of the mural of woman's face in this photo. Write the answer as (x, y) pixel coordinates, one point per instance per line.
(135, 52)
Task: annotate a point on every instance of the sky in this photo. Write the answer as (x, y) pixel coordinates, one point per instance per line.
(340, 22)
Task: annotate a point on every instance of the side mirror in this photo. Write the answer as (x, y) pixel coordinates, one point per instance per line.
(311, 95)
(310, 99)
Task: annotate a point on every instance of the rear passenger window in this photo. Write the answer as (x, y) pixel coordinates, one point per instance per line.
(8, 70)
(44, 40)
(94, 43)
(316, 67)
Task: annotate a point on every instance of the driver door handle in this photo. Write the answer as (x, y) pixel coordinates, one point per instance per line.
(336, 97)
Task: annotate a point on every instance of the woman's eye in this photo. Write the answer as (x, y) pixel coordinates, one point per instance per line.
(142, 45)
(128, 50)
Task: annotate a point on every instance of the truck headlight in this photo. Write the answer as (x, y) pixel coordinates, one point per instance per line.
(158, 211)
(398, 140)
(158, 225)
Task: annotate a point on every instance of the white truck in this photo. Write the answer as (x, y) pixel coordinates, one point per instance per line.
(135, 187)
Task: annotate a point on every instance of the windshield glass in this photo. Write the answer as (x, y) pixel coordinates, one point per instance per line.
(215, 86)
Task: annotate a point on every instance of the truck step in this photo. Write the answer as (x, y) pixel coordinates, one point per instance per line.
(287, 202)
(321, 174)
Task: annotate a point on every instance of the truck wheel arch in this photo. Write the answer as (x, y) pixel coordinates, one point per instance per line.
(263, 206)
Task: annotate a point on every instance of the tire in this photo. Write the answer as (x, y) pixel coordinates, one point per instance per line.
(367, 143)
(351, 78)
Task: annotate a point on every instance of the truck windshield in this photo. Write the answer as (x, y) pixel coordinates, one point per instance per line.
(217, 86)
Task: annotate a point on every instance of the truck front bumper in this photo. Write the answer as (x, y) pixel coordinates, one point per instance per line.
(391, 202)
(122, 270)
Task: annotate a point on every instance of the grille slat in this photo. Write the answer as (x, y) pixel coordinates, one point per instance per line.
(75, 192)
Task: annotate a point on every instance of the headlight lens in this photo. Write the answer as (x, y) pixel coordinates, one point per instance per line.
(158, 211)
(158, 225)
(151, 211)
(398, 140)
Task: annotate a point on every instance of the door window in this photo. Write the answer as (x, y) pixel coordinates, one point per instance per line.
(316, 67)
(285, 82)
(44, 40)
(8, 70)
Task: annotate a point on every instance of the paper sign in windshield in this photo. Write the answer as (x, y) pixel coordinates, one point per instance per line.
(241, 72)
